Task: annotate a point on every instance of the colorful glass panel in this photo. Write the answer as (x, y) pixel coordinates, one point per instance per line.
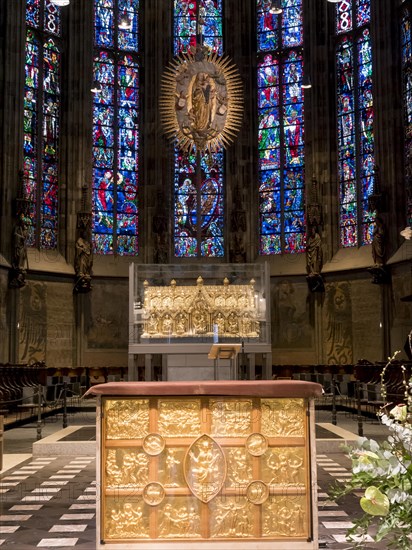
(128, 39)
(30, 125)
(406, 52)
(202, 17)
(116, 133)
(346, 143)
(267, 23)
(104, 23)
(292, 23)
(33, 13)
(186, 201)
(344, 16)
(355, 117)
(363, 12)
(198, 178)
(41, 119)
(281, 136)
(52, 22)
(366, 143)
(199, 210)
(51, 95)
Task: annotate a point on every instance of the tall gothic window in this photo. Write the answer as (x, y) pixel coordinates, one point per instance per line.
(198, 177)
(281, 128)
(116, 127)
(355, 116)
(41, 121)
(406, 43)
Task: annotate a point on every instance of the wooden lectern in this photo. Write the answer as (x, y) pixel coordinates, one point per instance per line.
(225, 352)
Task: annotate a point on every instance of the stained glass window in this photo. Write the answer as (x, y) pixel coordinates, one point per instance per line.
(406, 43)
(116, 128)
(41, 121)
(198, 178)
(281, 128)
(355, 117)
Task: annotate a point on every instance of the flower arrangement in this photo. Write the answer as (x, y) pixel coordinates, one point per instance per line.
(383, 470)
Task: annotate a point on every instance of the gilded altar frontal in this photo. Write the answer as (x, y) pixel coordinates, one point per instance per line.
(205, 468)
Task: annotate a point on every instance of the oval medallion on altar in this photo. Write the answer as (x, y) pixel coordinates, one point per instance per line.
(205, 468)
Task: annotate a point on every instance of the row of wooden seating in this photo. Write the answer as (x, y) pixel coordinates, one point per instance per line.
(17, 382)
(25, 388)
(362, 384)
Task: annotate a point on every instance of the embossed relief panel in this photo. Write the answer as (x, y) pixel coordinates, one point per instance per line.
(180, 518)
(232, 418)
(126, 519)
(283, 417)
(179, 418)
(239, 467)
(205, 468)
(231, 517)
(284, 467)
(126, 468)
(126, 418)
(170, 467)
(285, 517)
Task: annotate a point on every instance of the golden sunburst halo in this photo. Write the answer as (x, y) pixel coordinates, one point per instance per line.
(201, 103)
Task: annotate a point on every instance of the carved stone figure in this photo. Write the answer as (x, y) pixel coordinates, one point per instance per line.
(314, 257)
(378, 242)
(83, 262)
(237, 251)
(19, 259)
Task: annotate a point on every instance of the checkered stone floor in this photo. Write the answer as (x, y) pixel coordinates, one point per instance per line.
(51, 503)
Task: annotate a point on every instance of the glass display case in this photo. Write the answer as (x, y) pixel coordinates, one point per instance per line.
(185, 309)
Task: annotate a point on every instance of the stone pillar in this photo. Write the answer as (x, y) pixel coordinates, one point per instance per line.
(148, 367)
(76, 139)
(241, 242)
(132, 374)
(388, 116)
(157, 153)
(13, 35)
(267, 366)
(13, 32)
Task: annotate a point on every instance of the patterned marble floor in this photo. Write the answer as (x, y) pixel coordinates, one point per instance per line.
(51, 503)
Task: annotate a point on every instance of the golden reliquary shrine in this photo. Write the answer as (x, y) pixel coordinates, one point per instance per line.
(207, 461)
(201, 310)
